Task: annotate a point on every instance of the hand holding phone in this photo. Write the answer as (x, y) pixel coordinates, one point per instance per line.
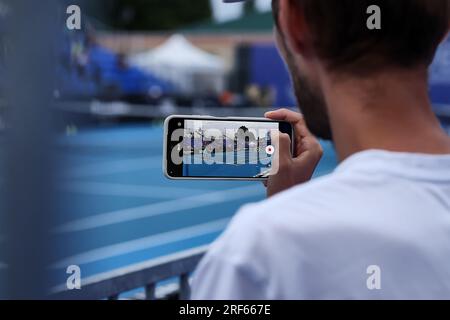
(297, 167)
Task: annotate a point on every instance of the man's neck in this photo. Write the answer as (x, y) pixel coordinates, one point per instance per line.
(388, 112)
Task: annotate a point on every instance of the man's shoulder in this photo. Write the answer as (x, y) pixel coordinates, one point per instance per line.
(260, 229)
(307, 200)
(326, 204)
(315, 196)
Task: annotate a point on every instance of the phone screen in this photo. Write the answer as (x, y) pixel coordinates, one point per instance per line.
(210, 148)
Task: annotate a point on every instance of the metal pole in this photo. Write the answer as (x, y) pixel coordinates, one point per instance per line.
(29, 163)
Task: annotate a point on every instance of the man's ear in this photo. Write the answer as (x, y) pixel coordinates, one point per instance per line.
(294, 27)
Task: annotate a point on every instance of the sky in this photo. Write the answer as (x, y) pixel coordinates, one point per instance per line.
(230, 11)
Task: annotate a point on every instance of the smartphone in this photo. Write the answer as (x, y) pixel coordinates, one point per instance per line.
(211, 148)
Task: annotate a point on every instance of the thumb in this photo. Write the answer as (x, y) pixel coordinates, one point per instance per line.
(284, 146)
(282, 153)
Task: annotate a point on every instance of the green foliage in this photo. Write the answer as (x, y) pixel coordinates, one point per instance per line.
(152, 15)
(249, 6)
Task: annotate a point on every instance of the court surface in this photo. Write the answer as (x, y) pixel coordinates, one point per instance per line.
(116, 208)
(237, 164)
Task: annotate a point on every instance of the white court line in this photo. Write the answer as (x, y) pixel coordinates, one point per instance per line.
(160, 208)
(144, 145)
(142, 243)
(124, 190)
(119, 166)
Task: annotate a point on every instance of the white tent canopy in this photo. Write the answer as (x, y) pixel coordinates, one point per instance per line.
(180, 62)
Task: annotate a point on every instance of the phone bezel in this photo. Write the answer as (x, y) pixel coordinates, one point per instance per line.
(167, 163)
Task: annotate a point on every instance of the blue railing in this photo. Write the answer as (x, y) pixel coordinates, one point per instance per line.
(147, 275)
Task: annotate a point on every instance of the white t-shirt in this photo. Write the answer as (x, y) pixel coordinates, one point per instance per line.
(376, 228)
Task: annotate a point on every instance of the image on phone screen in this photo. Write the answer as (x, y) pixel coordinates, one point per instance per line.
(223, 149)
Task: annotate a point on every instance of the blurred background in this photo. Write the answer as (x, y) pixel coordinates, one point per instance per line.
(112, 83)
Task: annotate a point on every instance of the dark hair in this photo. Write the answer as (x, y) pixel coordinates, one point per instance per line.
(410, 33)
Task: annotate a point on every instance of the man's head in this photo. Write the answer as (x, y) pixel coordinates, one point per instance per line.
(333, 35)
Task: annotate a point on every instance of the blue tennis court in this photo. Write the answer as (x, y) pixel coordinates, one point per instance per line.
(237, 164)
(116, 208)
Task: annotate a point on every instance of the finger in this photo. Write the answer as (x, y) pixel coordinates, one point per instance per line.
(313, 151)
(284, 114)
(285, 145)
(282, 145)
(294, 118)
(278, 158)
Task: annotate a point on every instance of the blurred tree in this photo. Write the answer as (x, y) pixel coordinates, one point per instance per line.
(152, 15)
(249, 7)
